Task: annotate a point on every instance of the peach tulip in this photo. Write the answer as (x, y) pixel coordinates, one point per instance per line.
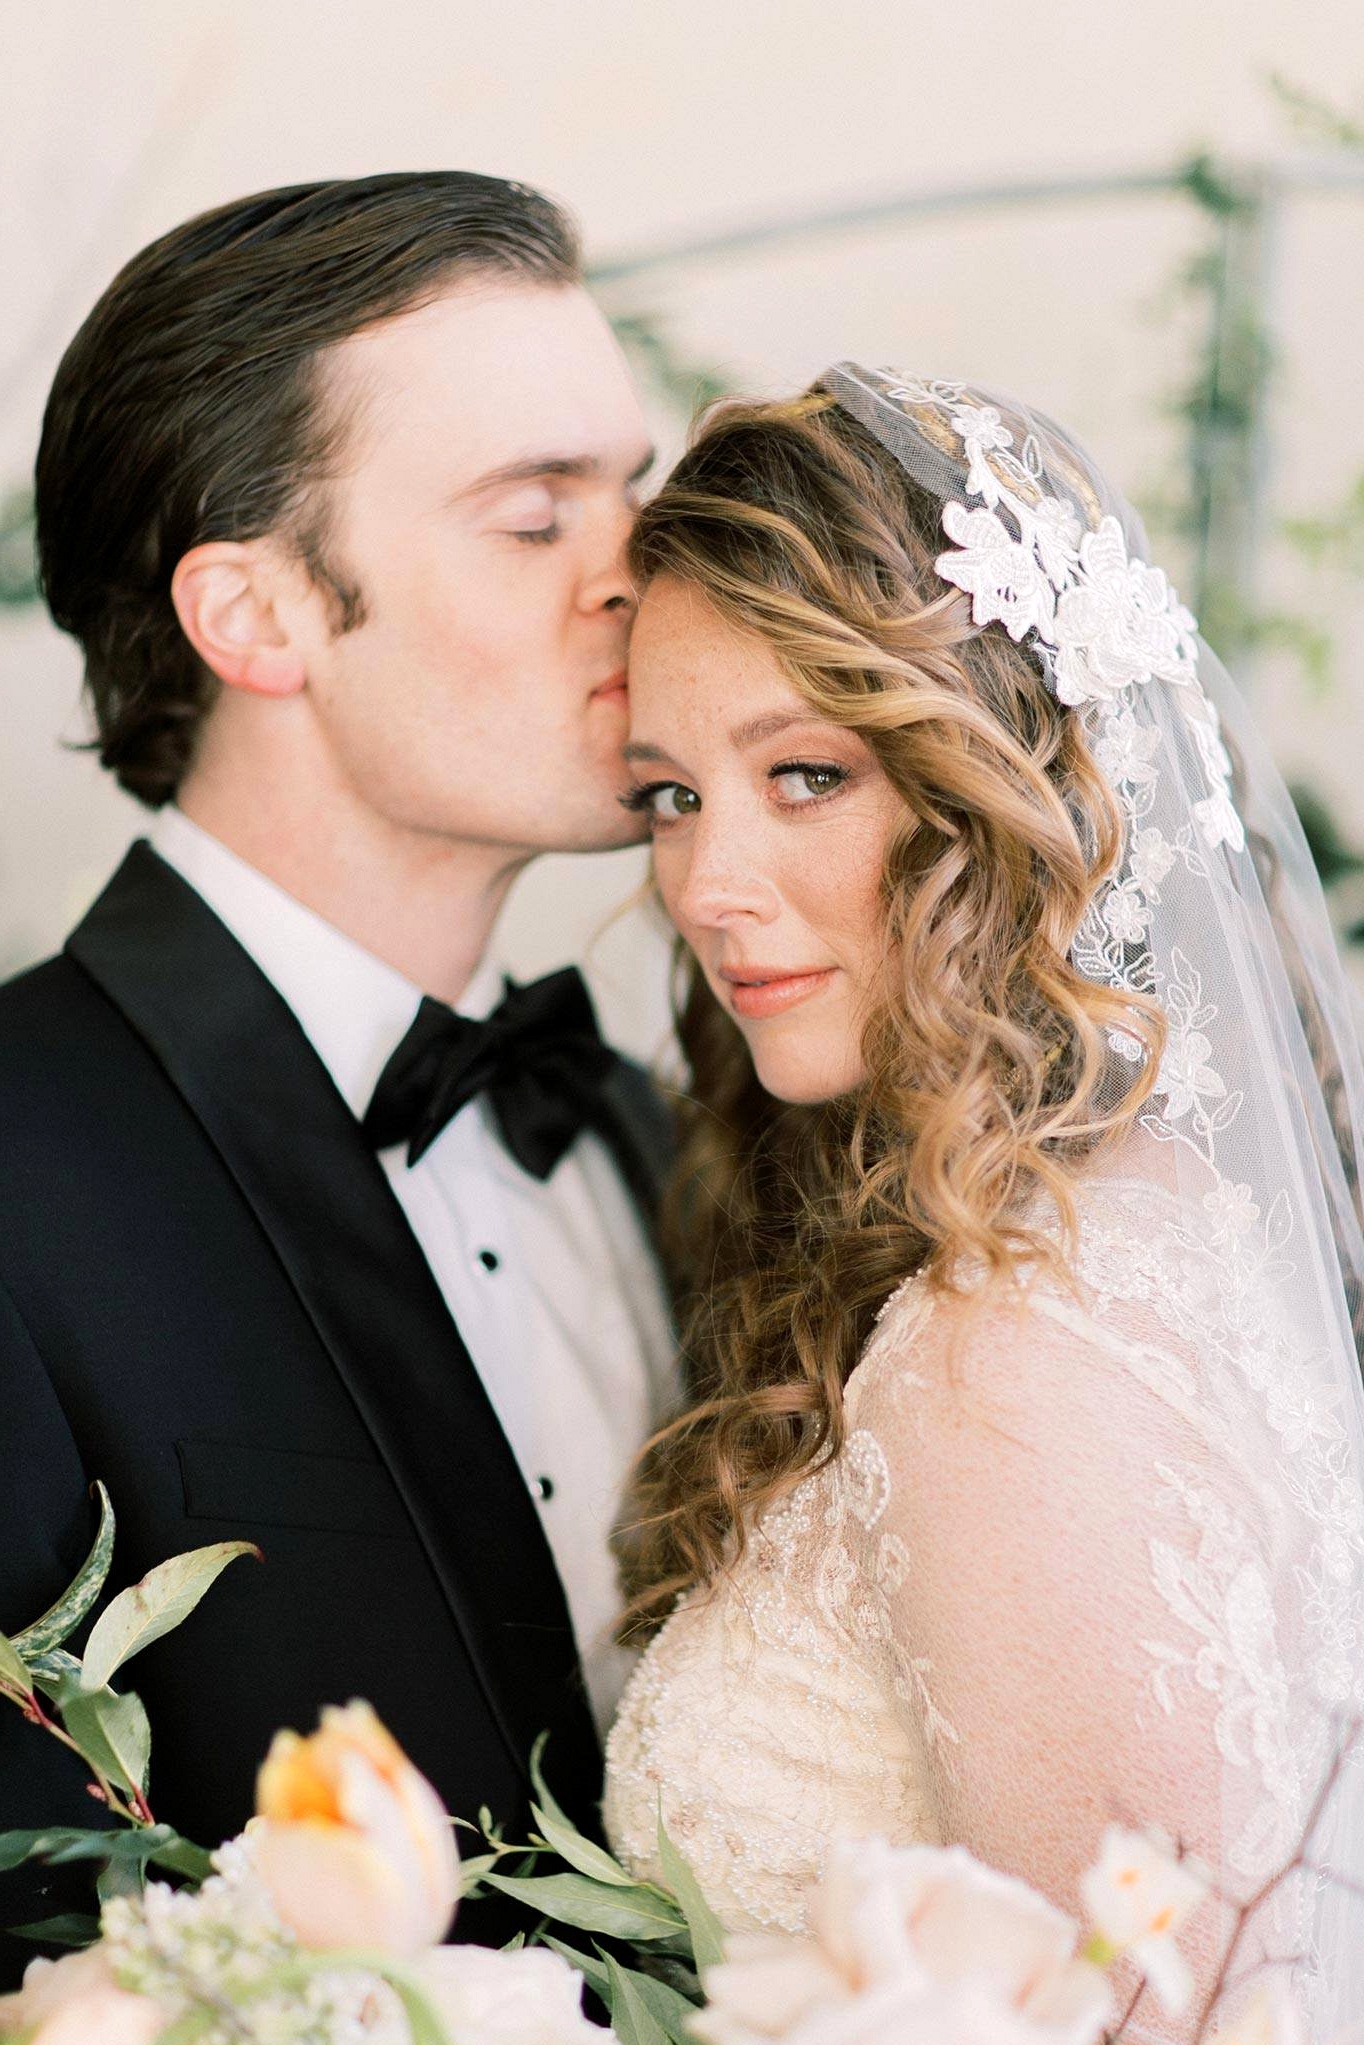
(352, 1842)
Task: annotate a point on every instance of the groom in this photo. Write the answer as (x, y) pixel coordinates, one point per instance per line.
(299, 1246)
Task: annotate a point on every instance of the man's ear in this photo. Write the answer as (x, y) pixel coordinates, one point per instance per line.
(224, 595)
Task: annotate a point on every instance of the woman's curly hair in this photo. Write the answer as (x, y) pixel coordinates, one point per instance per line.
(991, 1069)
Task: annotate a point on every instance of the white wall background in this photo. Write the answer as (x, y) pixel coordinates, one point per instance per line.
(656, 121)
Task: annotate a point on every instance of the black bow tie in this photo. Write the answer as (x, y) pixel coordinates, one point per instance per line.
(539, 1057)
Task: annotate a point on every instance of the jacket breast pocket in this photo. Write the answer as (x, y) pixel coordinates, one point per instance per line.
(246, 1484)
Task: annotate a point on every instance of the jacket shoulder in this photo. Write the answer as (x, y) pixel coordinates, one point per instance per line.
(59, 1036)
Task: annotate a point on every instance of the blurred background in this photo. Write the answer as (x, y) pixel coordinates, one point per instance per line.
(1148, 220)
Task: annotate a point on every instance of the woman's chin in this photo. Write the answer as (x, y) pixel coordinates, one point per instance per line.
(801, 1076)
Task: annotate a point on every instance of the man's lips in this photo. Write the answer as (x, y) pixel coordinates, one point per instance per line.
(756, 991)
(614, 685)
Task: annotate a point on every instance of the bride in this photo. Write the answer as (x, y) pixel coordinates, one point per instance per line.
(1020, 1488)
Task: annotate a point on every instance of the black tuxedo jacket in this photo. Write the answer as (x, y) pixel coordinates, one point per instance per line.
(211, 1299)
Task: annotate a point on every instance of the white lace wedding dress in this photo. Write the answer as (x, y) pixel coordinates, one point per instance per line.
(1085, 1557)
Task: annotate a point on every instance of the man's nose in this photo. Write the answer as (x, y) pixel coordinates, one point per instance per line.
(608, 587)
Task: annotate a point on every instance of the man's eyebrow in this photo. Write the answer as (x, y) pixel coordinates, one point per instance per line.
(530, 468)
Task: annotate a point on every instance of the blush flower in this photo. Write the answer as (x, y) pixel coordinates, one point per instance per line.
(76, 2000)
(917, 1943)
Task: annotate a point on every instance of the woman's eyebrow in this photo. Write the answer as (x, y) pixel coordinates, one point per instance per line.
(767, 727)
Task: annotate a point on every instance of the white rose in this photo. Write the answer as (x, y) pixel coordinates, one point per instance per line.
(353, 1844)
(527, 1997)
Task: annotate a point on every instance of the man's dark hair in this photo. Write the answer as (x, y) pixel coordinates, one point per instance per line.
(189, 408)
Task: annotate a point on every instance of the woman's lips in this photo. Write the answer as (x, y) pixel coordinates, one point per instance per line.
(773, 993)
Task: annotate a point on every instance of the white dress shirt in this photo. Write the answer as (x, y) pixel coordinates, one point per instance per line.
(551, 1283)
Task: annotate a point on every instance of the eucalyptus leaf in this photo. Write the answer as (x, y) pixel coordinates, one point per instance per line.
(580, 1853)
(147, 1610)
(14, 1673)
(78, 1599)
(639, 1913)
(633, 2022)
(707, 1938)
(70, 1928)
(112, 1733)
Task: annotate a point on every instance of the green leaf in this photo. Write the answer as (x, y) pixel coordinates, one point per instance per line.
(631, 2019)
(17, 1847)
(178, 1856)
(136, 1845)
(544, 1797)
(580, 1853)
(592, 1970)
(68, 1929)
(665, 2003)
(668, 2005)
(14, 1673)
(707, 1938)
(80, 1594)
(189, 2028)
(119, 1877)
(474, 1871)
(423, 2023)
(56, 1673)
(151, 1608)
(112, 1733)
(639, 1913)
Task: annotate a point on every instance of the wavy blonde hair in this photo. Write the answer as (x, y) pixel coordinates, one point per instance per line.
(990, 1076)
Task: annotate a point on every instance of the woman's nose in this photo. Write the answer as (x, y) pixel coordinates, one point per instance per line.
(722, 886)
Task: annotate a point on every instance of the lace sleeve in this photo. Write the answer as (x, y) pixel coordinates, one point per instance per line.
(1089, 1571)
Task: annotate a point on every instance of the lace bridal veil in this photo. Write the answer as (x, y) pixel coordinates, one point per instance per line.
(1233, 1260)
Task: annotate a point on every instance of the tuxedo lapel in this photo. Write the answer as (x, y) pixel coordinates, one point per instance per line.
(232, 1048)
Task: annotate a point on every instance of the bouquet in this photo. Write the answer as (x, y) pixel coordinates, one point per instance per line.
(322, 1924)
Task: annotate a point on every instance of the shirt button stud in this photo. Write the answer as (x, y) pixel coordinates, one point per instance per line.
(544, 1487)
(489, 1259)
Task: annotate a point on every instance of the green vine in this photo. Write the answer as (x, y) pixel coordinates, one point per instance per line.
(18, 565)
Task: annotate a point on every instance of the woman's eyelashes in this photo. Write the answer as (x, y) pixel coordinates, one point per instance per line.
(644, 799)
(804, 784)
